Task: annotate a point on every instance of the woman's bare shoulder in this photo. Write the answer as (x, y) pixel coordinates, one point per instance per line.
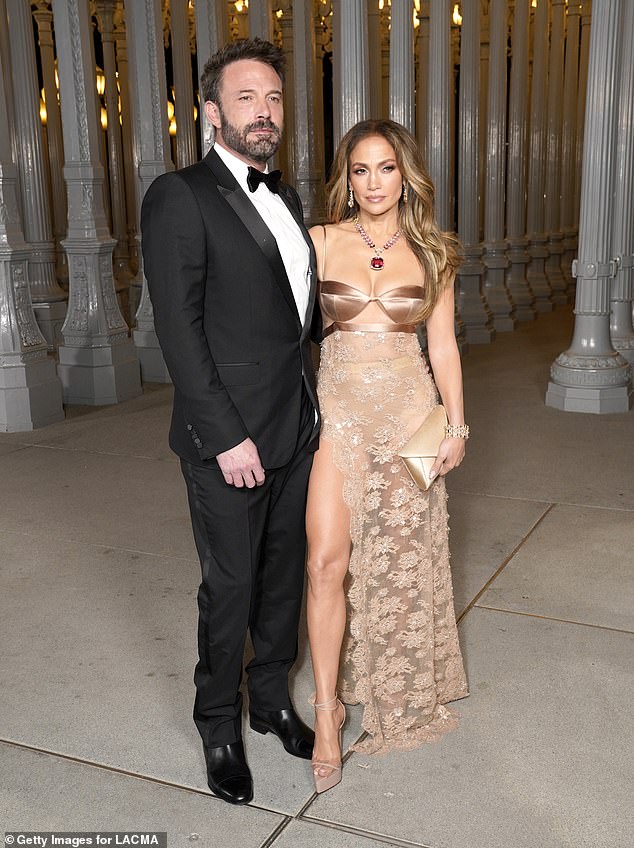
(316, 232)
(331, 231)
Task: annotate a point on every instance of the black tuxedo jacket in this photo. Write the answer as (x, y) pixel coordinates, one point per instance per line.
(225, 315)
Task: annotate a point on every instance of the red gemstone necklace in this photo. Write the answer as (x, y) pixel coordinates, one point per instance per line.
(377, 262)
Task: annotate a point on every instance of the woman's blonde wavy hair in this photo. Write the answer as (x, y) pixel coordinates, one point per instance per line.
(436, 251)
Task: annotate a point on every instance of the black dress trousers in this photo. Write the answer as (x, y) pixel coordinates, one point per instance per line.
(252, 549)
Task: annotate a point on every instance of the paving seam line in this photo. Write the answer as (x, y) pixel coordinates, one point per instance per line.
(505, 562)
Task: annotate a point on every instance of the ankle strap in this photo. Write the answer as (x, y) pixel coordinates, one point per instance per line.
(326, 704)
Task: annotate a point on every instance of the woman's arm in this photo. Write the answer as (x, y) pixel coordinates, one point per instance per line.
(444, 358)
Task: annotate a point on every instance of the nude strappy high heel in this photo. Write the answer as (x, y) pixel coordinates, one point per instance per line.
(328, 781)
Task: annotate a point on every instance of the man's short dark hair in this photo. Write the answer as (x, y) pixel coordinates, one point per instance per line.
(245, 48)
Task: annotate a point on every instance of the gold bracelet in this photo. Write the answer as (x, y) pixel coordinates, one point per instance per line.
(457, 431)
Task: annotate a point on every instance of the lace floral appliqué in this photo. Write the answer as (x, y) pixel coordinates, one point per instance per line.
(401, 658)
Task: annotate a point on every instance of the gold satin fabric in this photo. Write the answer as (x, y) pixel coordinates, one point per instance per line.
(343, 302)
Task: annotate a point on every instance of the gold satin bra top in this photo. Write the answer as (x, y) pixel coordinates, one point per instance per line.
(342, 303)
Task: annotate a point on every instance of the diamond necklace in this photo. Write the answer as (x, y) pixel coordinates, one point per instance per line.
(377, 262)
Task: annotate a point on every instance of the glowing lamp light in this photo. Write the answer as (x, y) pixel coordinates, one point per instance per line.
(101, 83)
(104, 118)
(42, 111)
(457, 17)
(171, 119)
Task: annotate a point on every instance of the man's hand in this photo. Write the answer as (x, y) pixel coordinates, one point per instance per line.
(241, 465)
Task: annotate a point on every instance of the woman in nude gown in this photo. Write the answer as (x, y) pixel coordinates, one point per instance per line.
(381, 619)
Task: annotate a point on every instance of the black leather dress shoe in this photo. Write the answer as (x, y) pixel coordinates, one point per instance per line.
(228, 774)
(296, 737)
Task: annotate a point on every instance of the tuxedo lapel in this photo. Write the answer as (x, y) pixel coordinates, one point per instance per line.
(284, 193)
(257, 229)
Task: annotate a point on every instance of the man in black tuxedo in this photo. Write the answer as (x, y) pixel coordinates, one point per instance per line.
(231, 274)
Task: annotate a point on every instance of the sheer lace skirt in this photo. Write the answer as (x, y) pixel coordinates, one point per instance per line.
(401, 658)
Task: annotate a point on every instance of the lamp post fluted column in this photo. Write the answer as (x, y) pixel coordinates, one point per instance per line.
(553, 154)
(385, 61)
(319, 139)
(186, 151)
(374, 51)
(97, 360)
(30, 392)
(212, 31)
(471, 305)
(439, 143)
(569, 130)
(309, 174)
(288, 150)
(5, 58)
(484, 90)
(105, 11)
(591, 376)
(621, 329)
(495, 259)
(584, 60)
(148, 87)
(49, 301)
(127, 147)
(351, 96)
(402, 64)
(517, 242)
(44, 19)
(422, 105)
(261, 19)
(537, 237)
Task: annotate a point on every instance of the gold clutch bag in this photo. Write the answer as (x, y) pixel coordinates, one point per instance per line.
(420, 453)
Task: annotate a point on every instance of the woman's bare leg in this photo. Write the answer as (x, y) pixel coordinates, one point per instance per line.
(328, 532)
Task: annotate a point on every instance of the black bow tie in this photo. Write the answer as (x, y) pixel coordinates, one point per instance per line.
(272, 179)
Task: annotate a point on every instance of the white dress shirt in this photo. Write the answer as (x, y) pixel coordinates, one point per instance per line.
(277, 217)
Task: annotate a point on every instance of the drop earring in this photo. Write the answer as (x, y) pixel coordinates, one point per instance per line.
(350, 198)
(404, 192)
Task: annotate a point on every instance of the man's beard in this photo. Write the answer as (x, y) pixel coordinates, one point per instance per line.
(258, 149)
